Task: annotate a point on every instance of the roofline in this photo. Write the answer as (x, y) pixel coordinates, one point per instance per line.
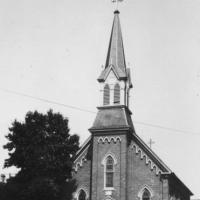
(111, 129)
(111, 67)
(115, 106)
(106, 73)
(173, 175)
(83, 146)
(120, 78)
(156, 158)
(168, 170)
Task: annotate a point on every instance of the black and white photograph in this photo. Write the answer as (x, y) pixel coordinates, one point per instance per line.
(100, 100)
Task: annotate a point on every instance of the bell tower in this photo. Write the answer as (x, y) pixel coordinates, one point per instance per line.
(114, 163)
(113, 127)
(115, 78)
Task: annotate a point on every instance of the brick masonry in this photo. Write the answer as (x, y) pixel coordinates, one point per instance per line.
(134, 171)
(131, 172)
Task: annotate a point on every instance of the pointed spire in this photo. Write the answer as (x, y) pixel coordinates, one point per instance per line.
(115, 78)
(115, 56)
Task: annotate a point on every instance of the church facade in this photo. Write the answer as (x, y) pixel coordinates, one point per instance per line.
(114, 163)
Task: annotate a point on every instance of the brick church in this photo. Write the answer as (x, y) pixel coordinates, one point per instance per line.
(114, 163)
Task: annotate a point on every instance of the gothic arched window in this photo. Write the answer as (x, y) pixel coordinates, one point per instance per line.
(106, 95)
(82, 195)
(146, 195)
(109, 171)
(116, 94)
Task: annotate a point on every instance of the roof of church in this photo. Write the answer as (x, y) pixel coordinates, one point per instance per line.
(115, 57)
(166, 171)
(112, 117)
(118, 117)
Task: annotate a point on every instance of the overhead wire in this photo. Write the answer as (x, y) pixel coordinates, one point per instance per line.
(46, 100)
(92, 112)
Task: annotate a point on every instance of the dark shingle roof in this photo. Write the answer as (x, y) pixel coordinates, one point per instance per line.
(113, 117)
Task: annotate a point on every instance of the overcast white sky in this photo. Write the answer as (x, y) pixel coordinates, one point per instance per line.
(54, 50)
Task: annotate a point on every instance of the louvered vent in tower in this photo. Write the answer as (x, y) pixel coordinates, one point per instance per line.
(106, 95)
(116, 94)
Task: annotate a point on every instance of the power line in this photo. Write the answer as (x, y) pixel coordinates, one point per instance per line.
(46, 100)
(167, 128)
(93, 112)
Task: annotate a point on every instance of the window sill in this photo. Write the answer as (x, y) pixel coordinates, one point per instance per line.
(109, 188)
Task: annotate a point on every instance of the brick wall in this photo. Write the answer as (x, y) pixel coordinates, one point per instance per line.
(139, 175)
(83, 175)
(132, 171)
(100, 150)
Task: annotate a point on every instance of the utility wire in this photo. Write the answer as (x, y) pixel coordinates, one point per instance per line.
(92, 112)
(46, 100)
(166, 128)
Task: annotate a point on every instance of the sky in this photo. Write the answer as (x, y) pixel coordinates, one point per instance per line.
(54, 50)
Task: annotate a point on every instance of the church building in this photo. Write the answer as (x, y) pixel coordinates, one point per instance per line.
(114, 163)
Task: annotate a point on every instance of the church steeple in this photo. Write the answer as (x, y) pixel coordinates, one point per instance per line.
(115, 77)
(115, 55)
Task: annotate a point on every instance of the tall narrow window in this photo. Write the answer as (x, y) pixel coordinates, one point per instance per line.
(106, 95)
(82, 195)
(146, 195)
(116, 94)
(109, 171)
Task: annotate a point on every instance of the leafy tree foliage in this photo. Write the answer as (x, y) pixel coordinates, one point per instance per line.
(42, 148)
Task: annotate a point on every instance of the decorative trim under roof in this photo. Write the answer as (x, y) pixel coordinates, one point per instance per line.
(151, 154)
(81, 150)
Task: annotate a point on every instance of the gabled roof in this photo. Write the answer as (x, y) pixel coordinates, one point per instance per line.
(166, 171)
(82, 148)
(151, 154)
(115, 56)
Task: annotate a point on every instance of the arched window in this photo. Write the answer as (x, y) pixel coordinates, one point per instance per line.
(146, 195)
(106, 95)
(116, 94)
(82, 195)
(109, 172)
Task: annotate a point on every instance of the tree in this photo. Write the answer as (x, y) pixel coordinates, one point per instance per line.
(42, 149)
